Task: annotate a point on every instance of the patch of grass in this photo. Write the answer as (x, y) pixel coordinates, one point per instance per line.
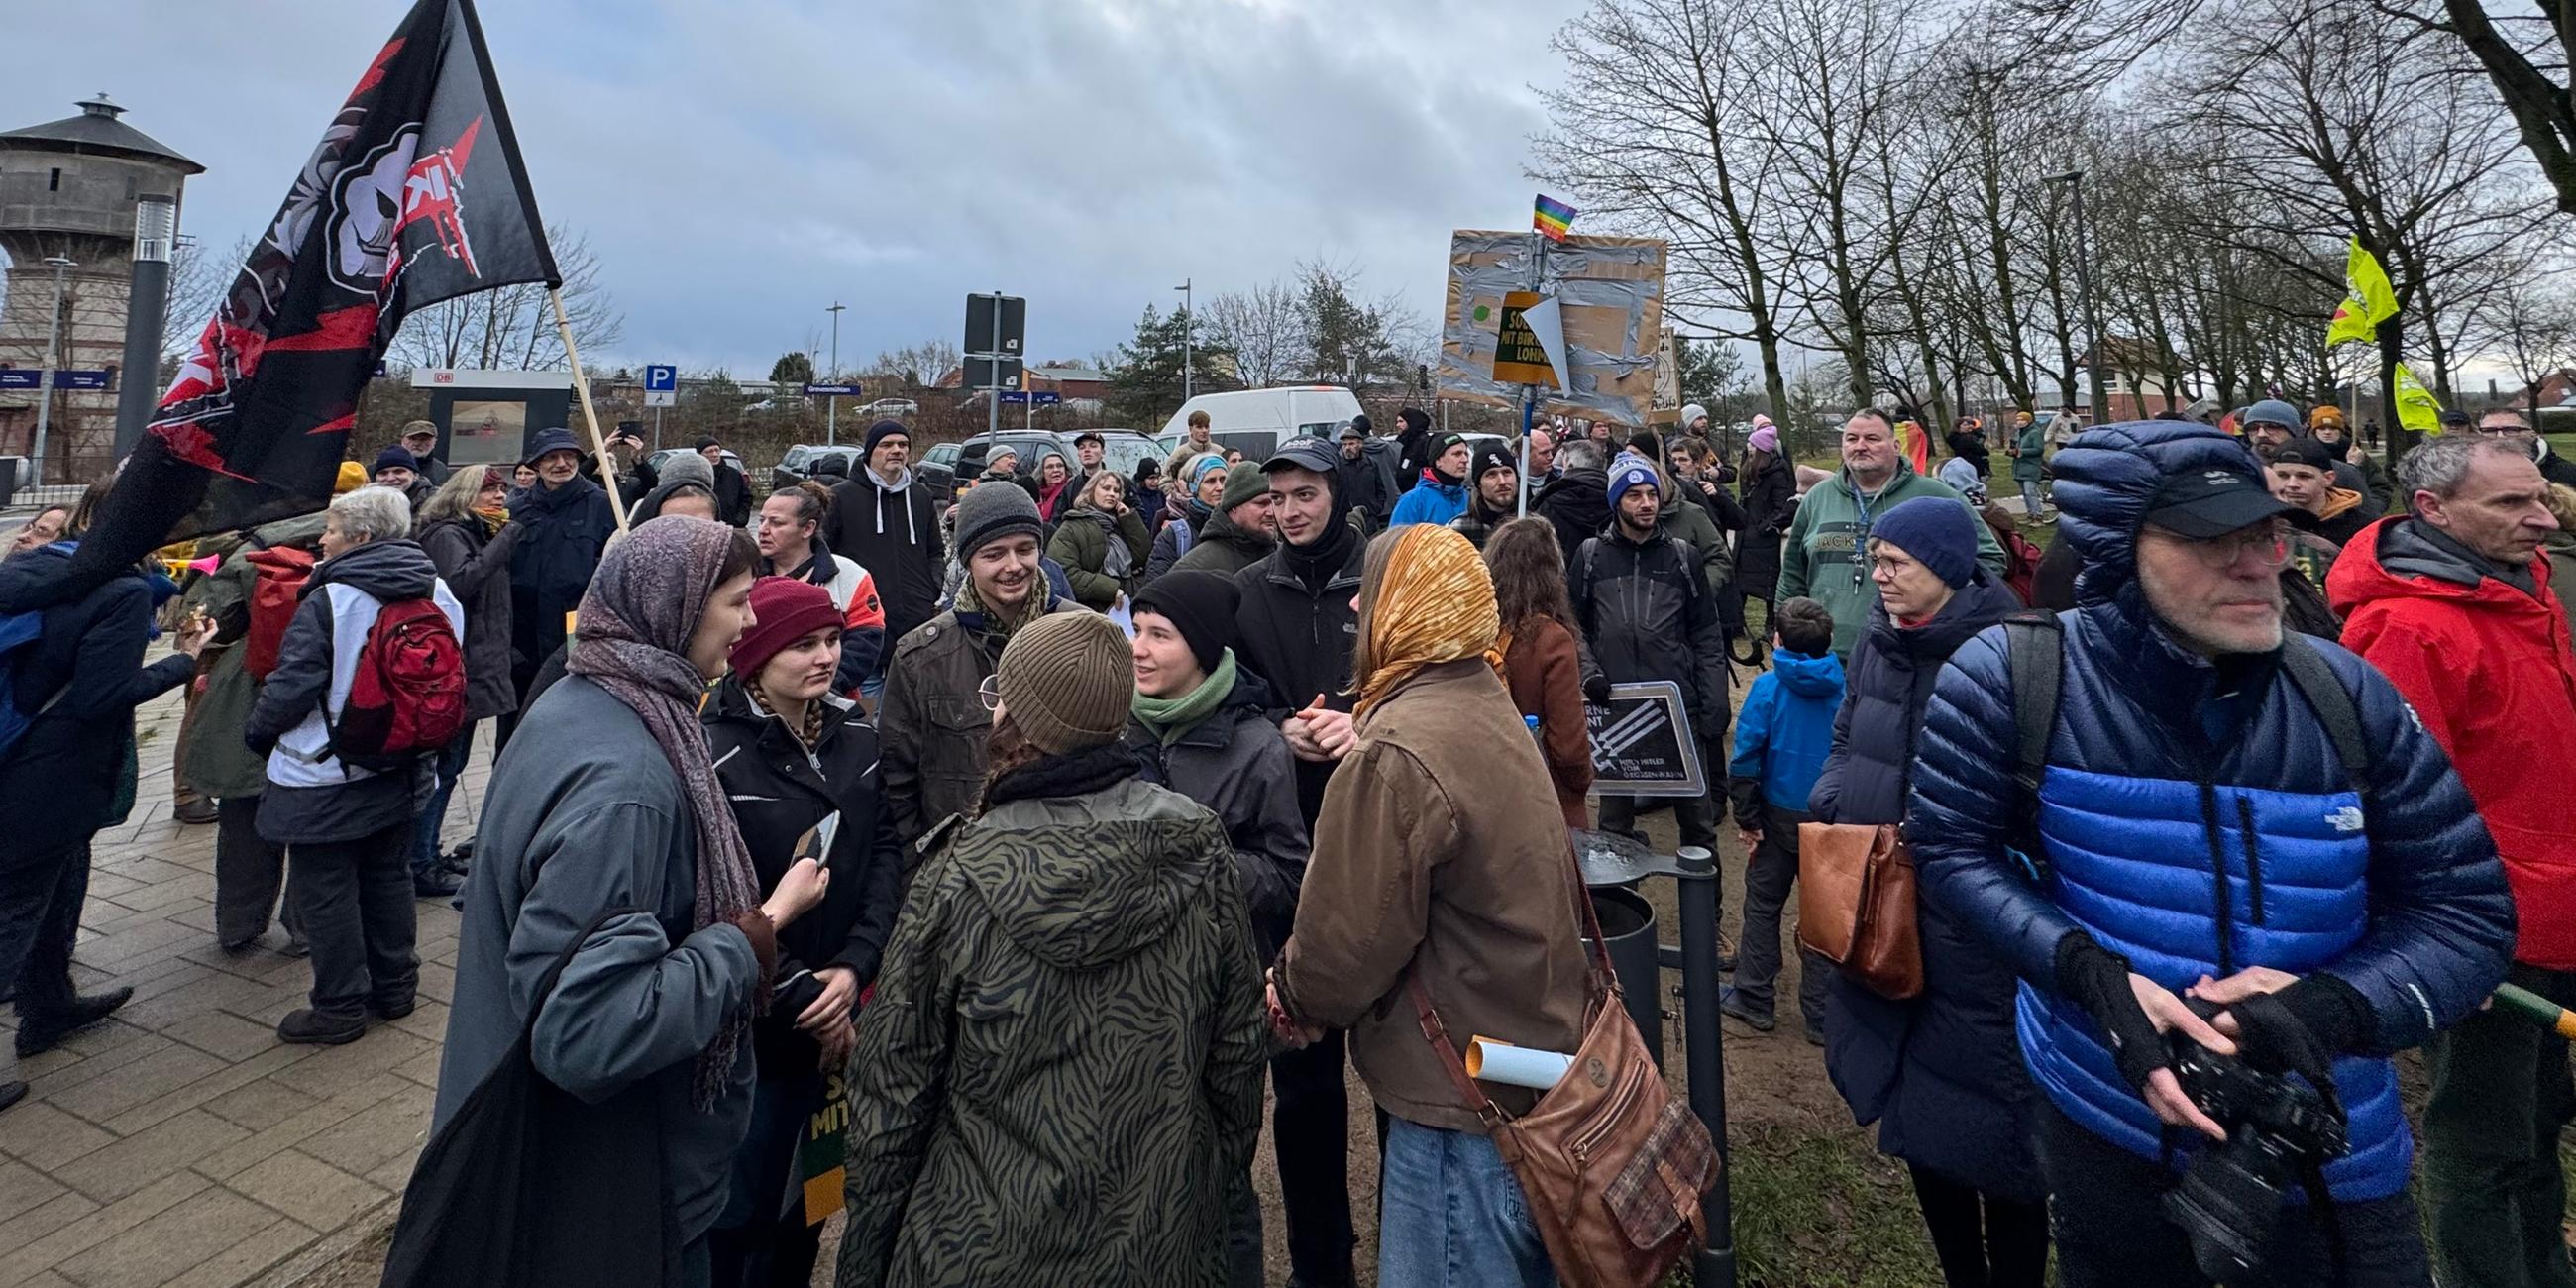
(1818, 1209)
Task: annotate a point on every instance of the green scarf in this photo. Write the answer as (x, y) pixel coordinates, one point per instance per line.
(972, 613)
(1171, 718)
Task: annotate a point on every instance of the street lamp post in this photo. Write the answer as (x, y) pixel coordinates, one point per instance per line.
(832, 402)
(156, 221)
(2074, 181)
(1189, 321)
(45, 376)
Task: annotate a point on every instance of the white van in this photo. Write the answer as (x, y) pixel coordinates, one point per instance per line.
(1256, 421)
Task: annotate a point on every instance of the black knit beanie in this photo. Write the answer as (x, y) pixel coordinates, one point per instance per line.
(1199, 604)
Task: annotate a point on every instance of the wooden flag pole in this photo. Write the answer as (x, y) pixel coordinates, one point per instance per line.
(581, 387)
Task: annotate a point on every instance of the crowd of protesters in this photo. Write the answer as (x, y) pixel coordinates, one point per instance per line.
(1029, 833)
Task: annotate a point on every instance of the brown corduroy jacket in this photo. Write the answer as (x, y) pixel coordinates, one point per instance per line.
(1439, 853)
(1545, 674)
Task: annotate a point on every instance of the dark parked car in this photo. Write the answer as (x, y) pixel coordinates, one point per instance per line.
(946, 465)
(802, 460)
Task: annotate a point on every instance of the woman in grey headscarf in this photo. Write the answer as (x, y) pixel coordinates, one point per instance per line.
(604, 816)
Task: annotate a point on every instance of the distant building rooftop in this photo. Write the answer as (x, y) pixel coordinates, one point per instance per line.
(96, 129)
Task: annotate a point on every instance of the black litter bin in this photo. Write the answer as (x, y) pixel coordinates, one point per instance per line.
(1628, 926)
(12, 469)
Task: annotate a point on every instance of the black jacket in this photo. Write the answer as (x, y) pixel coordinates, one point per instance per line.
(893, 532)
(780, 792)
(1942, 1073)
(733, 496)
(1647, 614)
(1415, 445)
(363, 806)
(1578, 503)
(60, 779)
(1770, 503)
(567, 530)
(1236, 763)
(1299, 640)
(476, 569)
(1371, 481)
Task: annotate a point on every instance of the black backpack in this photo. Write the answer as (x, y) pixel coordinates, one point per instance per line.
(2035, 660)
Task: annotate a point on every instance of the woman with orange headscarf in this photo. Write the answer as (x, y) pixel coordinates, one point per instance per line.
(1439, 859)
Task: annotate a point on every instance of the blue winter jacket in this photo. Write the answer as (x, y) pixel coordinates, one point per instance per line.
(1432, 501)
(1786, 728)
(2195, 818)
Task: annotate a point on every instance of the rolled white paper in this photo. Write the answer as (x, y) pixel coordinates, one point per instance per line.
(1491, 1061)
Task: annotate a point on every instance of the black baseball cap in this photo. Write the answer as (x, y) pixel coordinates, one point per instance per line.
(2457, 419)
(2305, 451)
(1086, 436)
(2199, 504)
(1305, 452)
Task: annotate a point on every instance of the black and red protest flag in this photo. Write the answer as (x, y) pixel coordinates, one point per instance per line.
(416, 194)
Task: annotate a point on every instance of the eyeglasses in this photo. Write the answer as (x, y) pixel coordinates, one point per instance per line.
(990, 692)
(2268, 546)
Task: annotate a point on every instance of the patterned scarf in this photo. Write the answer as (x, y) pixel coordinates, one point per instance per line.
(1435, 603)
(999, 626)
(636, 620)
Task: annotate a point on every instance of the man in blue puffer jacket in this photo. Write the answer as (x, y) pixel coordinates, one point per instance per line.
(2202, 838)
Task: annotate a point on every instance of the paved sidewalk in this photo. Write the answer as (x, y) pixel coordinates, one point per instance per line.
(181, 1143)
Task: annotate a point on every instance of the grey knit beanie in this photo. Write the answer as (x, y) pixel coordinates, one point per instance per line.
(1067, 680)
(990, 511)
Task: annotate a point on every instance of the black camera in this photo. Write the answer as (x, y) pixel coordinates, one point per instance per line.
(2280, 1132)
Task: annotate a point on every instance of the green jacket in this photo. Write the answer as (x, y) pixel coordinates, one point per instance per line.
(1692, 526)
(1081, 544)
(2032, 444)
(1058, 1080)
(1824, 558)
(217, 762)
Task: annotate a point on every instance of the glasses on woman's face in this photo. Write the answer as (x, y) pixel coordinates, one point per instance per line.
(990, 692)
(2267, 545)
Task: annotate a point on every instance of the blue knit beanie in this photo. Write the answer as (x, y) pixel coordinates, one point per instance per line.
(1938, 531)
(1630, 472)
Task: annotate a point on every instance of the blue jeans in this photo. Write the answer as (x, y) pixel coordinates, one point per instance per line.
(2030, 497)
(1451, 1215)
(450, 765)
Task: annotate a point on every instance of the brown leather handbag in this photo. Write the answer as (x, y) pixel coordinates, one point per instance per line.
(1611, 1164)
(1856, 904)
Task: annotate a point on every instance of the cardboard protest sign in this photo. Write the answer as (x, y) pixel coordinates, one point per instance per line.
(1608, 294)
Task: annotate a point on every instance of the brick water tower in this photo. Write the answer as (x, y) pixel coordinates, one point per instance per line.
(68, 192)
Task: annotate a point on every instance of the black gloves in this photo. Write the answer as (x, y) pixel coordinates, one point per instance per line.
(1596, 688)
(2303, 1027)
(2097, 979)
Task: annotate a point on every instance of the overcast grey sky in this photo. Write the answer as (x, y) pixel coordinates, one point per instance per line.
(738, 163)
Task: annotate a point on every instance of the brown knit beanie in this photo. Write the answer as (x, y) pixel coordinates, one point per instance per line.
(1067, 680)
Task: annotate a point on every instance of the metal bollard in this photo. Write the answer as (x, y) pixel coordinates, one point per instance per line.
(1702, 1045)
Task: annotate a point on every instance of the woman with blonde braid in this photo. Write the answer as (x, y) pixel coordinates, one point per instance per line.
(1439, 859)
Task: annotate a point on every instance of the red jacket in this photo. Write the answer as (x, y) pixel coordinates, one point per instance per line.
(2489, 670)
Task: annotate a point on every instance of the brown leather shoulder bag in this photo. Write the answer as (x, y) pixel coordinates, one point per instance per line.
(1856, 904)
(1611, 1164)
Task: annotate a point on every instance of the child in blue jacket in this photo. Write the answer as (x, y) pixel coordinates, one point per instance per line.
(1781, 738)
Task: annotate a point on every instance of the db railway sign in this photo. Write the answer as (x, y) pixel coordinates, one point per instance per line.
(1642, 743)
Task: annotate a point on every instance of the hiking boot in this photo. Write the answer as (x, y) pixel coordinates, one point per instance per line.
(394, 1009)
(45, 1030)
(307, 1027)
(1731, 1002)
(1815, 1033)
(296, 948)
(437, 883)
(200, 810)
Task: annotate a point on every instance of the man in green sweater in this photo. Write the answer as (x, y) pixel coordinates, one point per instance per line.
(1826, 556)
(2030, 456)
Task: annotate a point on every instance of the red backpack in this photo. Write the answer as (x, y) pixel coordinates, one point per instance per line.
(407, 696)
(283, 570)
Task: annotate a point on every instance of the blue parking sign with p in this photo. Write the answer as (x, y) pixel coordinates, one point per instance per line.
(661, 379)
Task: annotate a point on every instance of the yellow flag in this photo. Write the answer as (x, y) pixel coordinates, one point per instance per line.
(2416, 408)
(2368, 300)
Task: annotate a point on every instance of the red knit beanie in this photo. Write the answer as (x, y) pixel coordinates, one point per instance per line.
(782, 609)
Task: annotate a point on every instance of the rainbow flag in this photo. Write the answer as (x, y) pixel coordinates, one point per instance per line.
(1553, 218)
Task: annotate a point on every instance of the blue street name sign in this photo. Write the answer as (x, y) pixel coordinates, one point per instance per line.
(1042, 399)
(32, 378)
(834, 391)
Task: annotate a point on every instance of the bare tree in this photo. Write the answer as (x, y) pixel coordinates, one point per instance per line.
(1657, 131)
(513, 328)
(1264, 329)
(2537, 333)
(916, 366)
(198, 279)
